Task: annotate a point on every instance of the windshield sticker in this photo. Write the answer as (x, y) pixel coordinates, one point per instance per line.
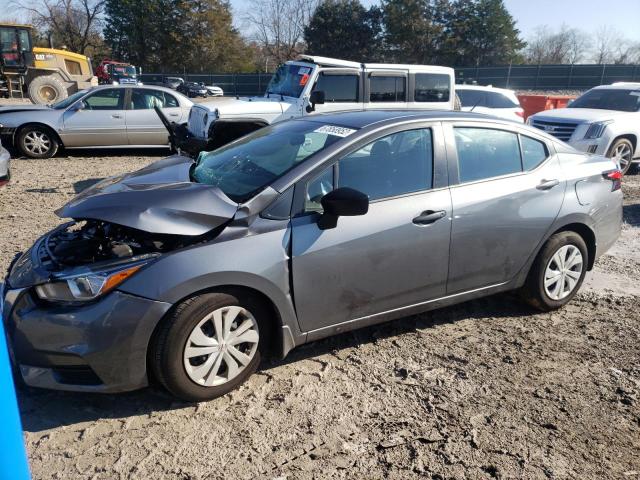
(333, 130)
(304, 71)
(304, 79)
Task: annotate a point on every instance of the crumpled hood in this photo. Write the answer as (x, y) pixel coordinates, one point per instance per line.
(579, 115)
(246, 106)
(157, 199)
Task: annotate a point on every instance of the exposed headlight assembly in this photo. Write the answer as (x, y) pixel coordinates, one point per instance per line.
(597, 129)
(85, 287)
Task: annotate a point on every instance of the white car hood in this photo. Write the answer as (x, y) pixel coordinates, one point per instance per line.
(579, 115)
(245, 107)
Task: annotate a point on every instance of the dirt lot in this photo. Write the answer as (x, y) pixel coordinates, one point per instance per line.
(487, 389)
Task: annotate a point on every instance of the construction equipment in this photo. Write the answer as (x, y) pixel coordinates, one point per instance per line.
(46, 75)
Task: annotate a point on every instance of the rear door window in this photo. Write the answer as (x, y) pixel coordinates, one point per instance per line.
(387, 89)
(338, 88)
(432, 87)
(486, 153)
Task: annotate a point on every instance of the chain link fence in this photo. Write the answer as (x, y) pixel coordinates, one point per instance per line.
(518, 77)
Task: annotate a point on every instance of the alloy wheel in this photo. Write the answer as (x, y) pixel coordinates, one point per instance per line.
(563, 272)
(37, 142)
(622, 155)
(221, 346)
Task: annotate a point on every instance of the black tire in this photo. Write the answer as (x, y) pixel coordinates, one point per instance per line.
(533, 291)
(28, 135)
(47, 89)
(624, 144)
(170, 340)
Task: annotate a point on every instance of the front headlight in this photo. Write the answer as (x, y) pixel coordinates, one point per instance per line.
(85, 287)
(597, 129)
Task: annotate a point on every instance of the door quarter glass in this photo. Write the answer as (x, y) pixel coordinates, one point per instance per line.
(111, 99)
(485, 153)
(534, 152)
(393, 165)
(318, 188)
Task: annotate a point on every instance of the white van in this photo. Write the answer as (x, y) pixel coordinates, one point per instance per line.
(312, 85)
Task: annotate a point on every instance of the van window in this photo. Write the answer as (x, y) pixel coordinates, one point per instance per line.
(432, 87)
(387, 89)
(338, 88)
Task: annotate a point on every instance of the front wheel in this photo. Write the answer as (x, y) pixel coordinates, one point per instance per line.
(209, 345)
(622, 153)
(37, 142)
(557, 272)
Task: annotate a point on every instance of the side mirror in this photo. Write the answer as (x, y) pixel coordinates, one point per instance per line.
(78, 106)
(342, 202)
(316, 98)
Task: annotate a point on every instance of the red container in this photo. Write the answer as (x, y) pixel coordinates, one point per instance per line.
(538, 103)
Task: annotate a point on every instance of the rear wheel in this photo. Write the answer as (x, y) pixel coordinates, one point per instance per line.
(37, 142)
(210, 344)
(622, 153)
(557, 273)
(47, 89)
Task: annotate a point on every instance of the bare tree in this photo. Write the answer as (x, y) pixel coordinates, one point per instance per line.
(607, 42)
(278, 26)
(72, 23)
(567, 45)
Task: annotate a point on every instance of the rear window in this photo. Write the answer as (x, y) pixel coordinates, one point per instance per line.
(498, 100)
(471, 98)
(432, 87)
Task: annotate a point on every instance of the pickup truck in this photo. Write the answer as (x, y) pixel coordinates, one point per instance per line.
(312, 85)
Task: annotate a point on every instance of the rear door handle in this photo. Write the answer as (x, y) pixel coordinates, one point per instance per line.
(116, 115)
(174, 114)
(547, 184)
(425, 218)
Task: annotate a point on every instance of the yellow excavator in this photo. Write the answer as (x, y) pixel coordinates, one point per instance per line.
(45, 75)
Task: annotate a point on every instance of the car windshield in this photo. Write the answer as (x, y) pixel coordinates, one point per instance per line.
(609, 99)
(289, 80)
(121, 71)
(67, 102)
(245, 167)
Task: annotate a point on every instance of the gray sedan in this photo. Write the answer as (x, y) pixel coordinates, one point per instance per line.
(105, 116)
(192, 272)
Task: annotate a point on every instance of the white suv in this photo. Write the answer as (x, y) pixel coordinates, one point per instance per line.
(312, 85)
(604, 121)
(492, 101)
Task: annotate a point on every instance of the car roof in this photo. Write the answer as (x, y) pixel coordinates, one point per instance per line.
(620, 86)
(362, 119)
(138, 87)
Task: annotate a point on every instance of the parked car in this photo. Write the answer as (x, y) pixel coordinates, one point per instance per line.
(104, 116)
(193, 89)
(190, 269)
(5, 158)
(492, 101)
(312, 85)
(604, 121)
(173, 82)
(213, 91)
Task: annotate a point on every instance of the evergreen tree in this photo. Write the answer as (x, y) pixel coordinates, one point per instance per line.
(345, 29)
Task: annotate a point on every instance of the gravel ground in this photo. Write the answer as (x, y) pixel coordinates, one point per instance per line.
(486, 389)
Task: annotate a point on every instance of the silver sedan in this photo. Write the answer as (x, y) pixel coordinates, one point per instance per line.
(4, 166)
(105, 116)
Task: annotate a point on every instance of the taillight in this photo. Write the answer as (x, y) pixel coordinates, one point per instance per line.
(520, 113)
(616, 178)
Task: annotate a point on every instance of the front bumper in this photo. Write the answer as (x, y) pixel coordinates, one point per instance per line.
(99, 347)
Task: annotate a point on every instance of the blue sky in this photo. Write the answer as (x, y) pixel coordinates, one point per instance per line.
(588, 15)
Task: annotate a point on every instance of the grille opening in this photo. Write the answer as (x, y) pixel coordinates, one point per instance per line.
(560, 130)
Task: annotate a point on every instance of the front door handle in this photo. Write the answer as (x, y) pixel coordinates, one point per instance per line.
(547, 184)
(116, 115)
(425, 218)
(174, 114)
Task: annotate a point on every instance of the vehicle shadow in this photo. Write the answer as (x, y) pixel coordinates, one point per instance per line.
(44, 409)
